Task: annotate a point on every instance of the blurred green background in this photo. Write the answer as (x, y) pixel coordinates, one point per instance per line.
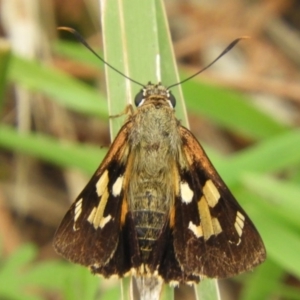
(54, 128)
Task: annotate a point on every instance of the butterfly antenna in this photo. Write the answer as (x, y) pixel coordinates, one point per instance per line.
(84, 43)
(227, 49)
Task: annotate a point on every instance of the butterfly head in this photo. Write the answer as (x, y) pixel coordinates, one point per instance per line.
(155, 93)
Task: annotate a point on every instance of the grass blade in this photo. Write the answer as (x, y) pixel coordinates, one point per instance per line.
(132, 44)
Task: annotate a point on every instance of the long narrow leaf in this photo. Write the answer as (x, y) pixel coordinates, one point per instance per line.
(137, 42)
(64, 89)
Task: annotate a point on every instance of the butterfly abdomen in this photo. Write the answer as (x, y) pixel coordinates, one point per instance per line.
(151, 191)
(148, 227)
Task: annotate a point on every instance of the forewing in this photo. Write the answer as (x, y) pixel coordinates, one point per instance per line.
(213, 236)
(90, 231)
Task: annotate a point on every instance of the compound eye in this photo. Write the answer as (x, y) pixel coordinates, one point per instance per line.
(139, 98)
(172, 100)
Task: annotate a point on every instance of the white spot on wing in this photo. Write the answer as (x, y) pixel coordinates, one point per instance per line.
(239, 222)
(104, 221)
(238, 229)
(77, 212)
(96, 216)
(101, 185)
(239, 225)
(78, 209)
(211, 193)
(117, 187)
(216, 226)
(240, 216)
(197, 230)
(205, 218)
(91, 217)
(186, 193)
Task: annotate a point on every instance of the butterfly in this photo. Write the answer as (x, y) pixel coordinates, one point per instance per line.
(156, 206)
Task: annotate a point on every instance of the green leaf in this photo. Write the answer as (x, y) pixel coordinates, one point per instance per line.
(282, 197)
(5, 55)
(63, 153)
(21, 256)
(63, 89)
(125, 34)
(80, 284)
(12, 273)
(132, 44)
(281, 240)
(78, 52)
(273, 154)
(208, 289)
(230, 109)
(260, 284)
